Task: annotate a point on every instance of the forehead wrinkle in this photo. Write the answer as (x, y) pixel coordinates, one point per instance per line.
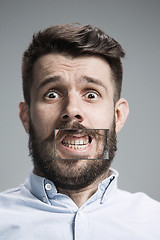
(60, 79)
(67, 66)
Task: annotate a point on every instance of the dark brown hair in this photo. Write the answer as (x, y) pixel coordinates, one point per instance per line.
(74, 40)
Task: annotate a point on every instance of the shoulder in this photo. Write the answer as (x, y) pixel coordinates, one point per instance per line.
(12, 192)
(138, 204)
(14, 197)
(137, 198)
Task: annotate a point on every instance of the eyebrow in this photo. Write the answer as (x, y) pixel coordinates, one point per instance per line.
(87, 79)
(94, 81)
(53, 79)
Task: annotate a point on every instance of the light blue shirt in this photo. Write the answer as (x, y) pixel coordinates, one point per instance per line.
(35, 210)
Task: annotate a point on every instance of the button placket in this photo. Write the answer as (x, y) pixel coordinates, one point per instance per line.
(81, 230)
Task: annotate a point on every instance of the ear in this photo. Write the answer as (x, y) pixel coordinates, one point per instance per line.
(121, 113)
(24, 115)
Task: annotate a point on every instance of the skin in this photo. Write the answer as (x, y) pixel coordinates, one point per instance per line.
(72, 102)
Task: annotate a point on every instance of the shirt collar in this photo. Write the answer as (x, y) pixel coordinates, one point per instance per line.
(44, 189)
(109, 185)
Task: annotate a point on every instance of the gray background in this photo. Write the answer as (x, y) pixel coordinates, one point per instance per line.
(136, 25)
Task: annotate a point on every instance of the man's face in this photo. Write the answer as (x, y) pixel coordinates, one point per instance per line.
(71, 93)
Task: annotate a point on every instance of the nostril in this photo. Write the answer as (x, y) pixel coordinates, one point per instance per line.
(68, 117)
(78, 116)
(65, 116)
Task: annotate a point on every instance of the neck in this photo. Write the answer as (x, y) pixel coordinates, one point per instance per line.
(80, 196)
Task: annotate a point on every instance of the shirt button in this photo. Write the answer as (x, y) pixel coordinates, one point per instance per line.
(44, 199)
(80, 214)
(48, 186)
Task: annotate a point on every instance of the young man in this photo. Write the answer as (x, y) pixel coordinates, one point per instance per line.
(72, 77)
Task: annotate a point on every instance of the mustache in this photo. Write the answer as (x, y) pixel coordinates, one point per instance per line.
(74, 128)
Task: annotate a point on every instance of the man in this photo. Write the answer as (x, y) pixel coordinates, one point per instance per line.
(72, 77)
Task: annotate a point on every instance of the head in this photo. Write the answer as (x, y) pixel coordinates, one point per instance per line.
(72, 78)
(73, 40)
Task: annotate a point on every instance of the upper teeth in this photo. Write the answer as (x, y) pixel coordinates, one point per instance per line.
(76, 142)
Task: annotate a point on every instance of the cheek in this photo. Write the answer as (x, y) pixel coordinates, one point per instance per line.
(101, 117)
(43, 119)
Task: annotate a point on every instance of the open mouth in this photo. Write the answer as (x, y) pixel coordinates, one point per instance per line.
(77, 142)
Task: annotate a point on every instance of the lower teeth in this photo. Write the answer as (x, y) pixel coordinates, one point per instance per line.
(76, 146)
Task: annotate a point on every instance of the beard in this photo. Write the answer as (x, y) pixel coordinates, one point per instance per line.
(72, 174)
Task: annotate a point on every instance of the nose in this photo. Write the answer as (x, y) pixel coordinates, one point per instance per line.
(72, 110)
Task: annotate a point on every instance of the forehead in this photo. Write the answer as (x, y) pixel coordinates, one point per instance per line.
(71, 69)
(53, 62)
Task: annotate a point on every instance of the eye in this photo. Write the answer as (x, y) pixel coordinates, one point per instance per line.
(52, 95)
(91, 95)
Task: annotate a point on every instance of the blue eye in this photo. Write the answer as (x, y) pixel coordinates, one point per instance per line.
(91, 95)
(52, 95)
